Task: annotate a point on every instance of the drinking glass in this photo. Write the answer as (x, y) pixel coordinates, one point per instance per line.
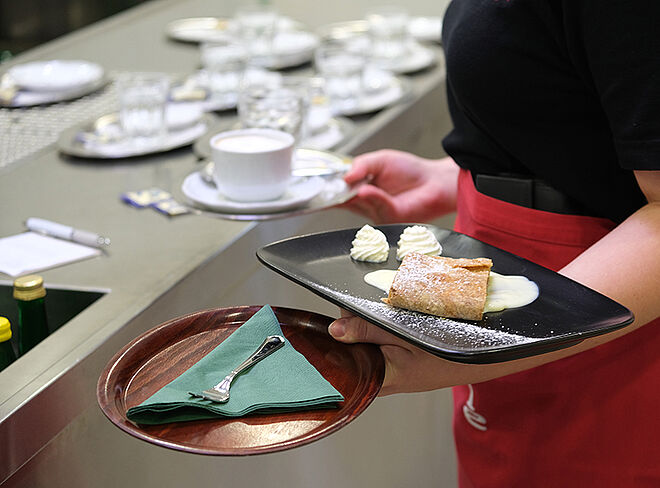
(341, 62)
(224, 62)
(256, 28)
(142, 100)
(388, 29)
(320, 110)
(272, 107)
(303, 86)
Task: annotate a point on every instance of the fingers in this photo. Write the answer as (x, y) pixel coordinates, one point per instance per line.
(350, 329)
(353, 329)
(375, 163)
(374, 203)
(364, 165)
(406, 366)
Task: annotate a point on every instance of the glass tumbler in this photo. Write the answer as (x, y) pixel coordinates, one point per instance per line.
(272, 107)
(389, 32)
(257, 25)
(341, 64)
(224, 64)
(142, 101)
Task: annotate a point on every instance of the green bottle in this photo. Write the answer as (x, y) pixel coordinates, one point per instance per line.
(7, 355)
(29, 293)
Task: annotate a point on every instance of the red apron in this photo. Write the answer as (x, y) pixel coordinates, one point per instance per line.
(589, 420)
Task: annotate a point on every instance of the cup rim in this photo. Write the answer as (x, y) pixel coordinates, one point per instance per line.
(274, 133)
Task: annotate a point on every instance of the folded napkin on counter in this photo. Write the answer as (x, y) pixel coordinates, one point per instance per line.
(283, 381)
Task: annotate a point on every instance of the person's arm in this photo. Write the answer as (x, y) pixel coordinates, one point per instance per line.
(403, 187)
(624, 265)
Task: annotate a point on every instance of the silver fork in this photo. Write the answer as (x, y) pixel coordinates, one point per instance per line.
(220, 392)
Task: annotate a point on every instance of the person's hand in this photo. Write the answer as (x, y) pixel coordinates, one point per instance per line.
(410, 369)
(403, 187)
(407, 368)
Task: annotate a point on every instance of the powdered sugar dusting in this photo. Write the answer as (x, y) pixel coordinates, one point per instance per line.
(431, 328)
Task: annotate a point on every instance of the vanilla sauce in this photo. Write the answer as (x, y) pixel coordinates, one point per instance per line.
(504, 291)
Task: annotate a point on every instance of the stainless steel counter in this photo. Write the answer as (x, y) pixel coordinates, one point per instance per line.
(51, 430)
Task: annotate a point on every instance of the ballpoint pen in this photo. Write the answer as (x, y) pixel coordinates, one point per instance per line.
(65, 232)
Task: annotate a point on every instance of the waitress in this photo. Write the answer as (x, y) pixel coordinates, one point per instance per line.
(555, 157)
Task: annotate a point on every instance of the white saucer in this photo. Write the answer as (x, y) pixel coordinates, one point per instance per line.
(205, 195)
(383, 90)
(180, 115)
(55, 75)
(318, 117)
(81, 141)
(209, 29)
(329, 136)
(426, 29)
(417, 58)
(292, 48)
(198, 83)
(308, 161)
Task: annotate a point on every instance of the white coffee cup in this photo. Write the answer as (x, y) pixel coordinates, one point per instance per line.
(252, 165)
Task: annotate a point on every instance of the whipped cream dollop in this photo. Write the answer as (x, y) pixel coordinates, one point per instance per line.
(417, 239)
(370, 245)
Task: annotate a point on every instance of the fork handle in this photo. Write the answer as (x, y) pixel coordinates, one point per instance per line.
(270, 345)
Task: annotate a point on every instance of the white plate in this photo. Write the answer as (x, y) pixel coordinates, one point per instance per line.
(198, 83)
(82, 141)
(427, 29)
(129, 148)
(383, 90)
(56, 75)
(208, 29)
(28, 98)
(198, 29)
(318, 117)
(183, 114)
(334, 132)
(292, 48)
(300, 192)
(418, 58)
(424, 29)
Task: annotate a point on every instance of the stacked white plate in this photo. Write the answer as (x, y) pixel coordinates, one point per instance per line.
(42, 82)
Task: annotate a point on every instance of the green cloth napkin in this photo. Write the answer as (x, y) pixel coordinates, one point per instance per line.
(283, 381)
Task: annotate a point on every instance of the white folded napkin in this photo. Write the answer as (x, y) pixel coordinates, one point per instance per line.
(30, 252)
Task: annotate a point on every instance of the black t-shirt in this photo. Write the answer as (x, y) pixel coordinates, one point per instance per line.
(566, 90)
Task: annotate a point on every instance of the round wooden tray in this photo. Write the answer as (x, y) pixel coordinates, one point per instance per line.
(161, 354)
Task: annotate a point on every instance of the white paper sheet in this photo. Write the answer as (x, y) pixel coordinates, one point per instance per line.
(30, 252)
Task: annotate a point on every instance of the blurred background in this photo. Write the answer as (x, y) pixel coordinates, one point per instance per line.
(52, 431)
(28, 23)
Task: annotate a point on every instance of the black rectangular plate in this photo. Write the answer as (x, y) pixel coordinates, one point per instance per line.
(564, 314)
